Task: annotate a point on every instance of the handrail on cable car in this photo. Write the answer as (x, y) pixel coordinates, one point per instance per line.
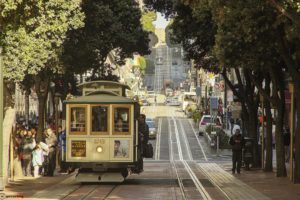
(99, 83)
(101, 92)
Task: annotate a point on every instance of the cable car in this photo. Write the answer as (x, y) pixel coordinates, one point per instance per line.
(101, 133)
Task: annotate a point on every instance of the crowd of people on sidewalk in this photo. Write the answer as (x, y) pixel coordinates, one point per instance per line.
(38, 158)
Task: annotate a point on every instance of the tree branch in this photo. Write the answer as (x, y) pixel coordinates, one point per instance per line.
(261, 90)
(240, 83)
(229, 83)
(283, 49)
(284, 12)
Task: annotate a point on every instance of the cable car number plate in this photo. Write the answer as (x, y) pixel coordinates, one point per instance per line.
(78, 149)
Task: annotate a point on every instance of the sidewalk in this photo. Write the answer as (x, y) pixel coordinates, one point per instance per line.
(23, 187)
(268, 184)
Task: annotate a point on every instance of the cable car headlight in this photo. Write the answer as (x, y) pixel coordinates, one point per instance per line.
(99, 149)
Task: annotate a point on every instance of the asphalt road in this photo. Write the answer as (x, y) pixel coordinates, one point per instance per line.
(171, 122)
(176, 170)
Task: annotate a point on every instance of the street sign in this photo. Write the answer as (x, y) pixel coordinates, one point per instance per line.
(214, 104)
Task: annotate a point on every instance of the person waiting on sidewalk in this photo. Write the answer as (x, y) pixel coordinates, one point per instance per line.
(43, 169)
(237, 142)
(51, 141)
(28, 143)
(62, 149)
(37, 159)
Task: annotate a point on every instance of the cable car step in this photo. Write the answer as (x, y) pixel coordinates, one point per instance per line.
(106, 177)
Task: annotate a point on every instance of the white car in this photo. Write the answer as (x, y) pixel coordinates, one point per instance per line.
(207, 120)
(172, 101)
(150, 94)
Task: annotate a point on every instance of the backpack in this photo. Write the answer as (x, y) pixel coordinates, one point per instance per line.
(148, 151)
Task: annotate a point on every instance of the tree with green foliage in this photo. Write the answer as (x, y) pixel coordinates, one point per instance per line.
(147, 21)
(110, 25)
(233, 35)
(246, 44)
(195, 28)
(288, 37)
(32, 33)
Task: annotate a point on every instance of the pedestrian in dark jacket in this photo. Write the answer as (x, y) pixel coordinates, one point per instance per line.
(237, 142)
(143, 140)
(28, 144)
(62, 149)
(143, 129)
(51, 141)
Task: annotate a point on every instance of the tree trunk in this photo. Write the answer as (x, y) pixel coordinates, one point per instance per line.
(253, 124)
(279, 103)
(27, 107)
(293, 71)
(268, 141)
(8, 92)
(245, 93)
(280, 153)
(41, 121)
(252, 101)
(297, 135)
(269, 122)
(42, 93)
(245, 119)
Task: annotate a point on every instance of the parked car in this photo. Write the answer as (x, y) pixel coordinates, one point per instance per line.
(207, 120)
(172, 101)
(152, 129)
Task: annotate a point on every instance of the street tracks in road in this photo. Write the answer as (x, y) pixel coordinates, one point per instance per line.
(91, 191)
(195, 133)
(180, 173)
(158, 138)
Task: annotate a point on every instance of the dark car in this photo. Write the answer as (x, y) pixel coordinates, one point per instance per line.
(152, 129)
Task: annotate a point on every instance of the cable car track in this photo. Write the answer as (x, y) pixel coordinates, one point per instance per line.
(85, 192)
(204, 194)
(107, 195)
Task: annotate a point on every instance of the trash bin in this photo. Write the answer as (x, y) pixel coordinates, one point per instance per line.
(248, 152)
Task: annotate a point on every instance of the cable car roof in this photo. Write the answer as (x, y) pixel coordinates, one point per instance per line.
(100, 99)
(97, 84)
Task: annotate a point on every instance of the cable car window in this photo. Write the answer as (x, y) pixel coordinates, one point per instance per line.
(100, 119)
(121, 120)
(78, 120)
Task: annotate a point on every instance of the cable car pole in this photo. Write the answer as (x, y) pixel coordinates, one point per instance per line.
(1, 124)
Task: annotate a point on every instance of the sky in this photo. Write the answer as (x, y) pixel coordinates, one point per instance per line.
(160, 22)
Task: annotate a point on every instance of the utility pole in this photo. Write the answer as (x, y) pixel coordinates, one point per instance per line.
(1, 125)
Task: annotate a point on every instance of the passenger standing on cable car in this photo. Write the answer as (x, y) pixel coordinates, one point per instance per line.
(143, 130)
(143, 140)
